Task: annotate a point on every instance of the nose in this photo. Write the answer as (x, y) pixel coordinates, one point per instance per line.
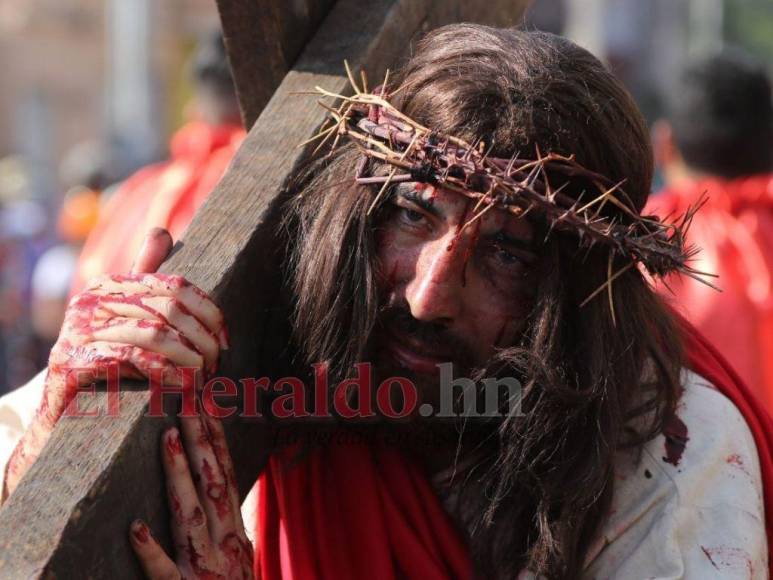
(435, 293)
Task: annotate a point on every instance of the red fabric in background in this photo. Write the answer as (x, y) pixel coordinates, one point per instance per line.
(163, 195)
(348, 512)
(734, 230)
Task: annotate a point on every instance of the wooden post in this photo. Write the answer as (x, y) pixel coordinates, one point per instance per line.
(69, 516)
(263, 38)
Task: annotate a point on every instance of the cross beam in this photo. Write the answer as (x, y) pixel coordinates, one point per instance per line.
(70, 514)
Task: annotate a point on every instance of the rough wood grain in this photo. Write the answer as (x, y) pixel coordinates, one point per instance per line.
(69, 516)
(263, 39)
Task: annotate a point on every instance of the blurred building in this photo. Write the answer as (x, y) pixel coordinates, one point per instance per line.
(109, 71)
(91, 90)
(646, 42)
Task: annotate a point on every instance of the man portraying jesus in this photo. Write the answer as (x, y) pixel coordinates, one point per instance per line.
(635, 452)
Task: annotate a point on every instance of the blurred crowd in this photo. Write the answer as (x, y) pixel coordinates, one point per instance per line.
(713, 146)
(100, 222)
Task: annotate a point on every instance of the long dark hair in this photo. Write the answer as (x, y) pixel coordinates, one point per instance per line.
(592, 386)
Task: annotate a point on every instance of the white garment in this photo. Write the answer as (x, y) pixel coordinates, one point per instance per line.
(17, 410)
(700, 519)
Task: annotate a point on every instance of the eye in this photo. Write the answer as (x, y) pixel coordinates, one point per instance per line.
(507, 258)
(410, 215)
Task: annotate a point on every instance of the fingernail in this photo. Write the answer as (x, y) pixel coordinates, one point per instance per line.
(156, 232)
(173, 444)
(140, 532)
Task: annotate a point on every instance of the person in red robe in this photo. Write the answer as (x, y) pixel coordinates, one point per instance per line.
(167, 194)
(624, 446)
(717, 145)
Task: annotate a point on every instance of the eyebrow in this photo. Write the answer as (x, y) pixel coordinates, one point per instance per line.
(526, 245)
(409, 193)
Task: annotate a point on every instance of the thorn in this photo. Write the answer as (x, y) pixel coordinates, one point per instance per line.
(381, 191)
(486, 198)
(548, 190)
(351, 78)
(527, 210)
(317, 136)
(697, 276)
(510, 165)
(470, 149)
(384, 93)
(476, 216)
(364, 80)
(362, 167)
(322, 143)
(609, 289)
(559, 190)
(610, 279)
(334, 144)
(410, 146)
(529, 181)
(602, 198)
(487, 153)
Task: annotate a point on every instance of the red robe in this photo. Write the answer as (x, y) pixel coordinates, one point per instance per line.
(348, 512)
(735, 233)
(163, 195)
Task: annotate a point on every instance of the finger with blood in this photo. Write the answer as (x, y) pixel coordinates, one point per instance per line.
(152, 336)
(209, 477)
(194, 299)
(223, 456)
(170, 312)
(189, 525)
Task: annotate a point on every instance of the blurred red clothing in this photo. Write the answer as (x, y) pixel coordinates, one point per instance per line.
(163, 195)
(735, 233)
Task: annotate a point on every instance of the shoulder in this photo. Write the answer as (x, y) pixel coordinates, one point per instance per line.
(690, 504)
(717, 436)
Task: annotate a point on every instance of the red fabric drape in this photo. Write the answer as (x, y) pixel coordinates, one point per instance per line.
(353, 511)
(349, 511)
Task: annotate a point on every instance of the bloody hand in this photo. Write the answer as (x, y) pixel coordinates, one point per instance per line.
(207, 527)
(137, 321)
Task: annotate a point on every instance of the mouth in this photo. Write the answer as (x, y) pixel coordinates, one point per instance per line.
(414, 355)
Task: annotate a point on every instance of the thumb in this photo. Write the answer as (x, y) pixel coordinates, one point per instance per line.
(155, 248)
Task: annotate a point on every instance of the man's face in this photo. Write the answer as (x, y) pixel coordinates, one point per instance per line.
(453, 293)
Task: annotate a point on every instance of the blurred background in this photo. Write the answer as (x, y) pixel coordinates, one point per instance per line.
(94, 89)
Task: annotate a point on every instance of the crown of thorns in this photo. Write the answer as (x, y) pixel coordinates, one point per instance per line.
(518, 185)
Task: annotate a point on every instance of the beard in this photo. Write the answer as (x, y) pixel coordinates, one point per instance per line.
(436, 440)
(397, 326)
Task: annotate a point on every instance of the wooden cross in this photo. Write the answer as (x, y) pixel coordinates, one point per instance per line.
(70, 515)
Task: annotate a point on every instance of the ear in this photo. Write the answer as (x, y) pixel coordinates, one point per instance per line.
(663, 145)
